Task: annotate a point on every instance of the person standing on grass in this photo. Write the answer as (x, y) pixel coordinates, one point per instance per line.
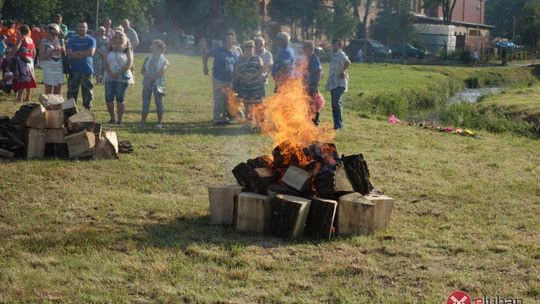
(132, 35)
(25, 52)
(36, 33)
(283, 67)
(107, 24)
(248, 78)
(118, 75)
(338, 80)
(80, 49)
(153, 71)
(475, 57)
(225, 58)
(267, 59)
(312, 77)
(63, 27)
(102, 47)
(51, 60)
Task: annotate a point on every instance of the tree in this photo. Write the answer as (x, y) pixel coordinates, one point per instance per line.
(447, 8)
(364, 21)
(302, 13)
(242, 16)
(339, 23)
(502, 14)
(42, 12)
(394, 22)
(31, 11)
(529, 23)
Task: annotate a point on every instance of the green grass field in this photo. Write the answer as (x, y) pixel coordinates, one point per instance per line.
(135, 230)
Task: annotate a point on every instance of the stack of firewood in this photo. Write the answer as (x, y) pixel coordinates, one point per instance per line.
(55, 128)
(313, 192)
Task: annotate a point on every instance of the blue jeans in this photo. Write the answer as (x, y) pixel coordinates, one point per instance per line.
(337, 108)
(147, 98)
(115, 89)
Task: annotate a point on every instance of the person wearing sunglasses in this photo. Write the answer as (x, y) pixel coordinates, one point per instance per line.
(50, 54)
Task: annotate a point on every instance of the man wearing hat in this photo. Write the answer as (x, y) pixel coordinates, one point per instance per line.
(283, 68)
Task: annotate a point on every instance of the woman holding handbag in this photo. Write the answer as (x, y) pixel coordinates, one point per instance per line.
(153, 70)
(118, 76)
(25, 52)
(50, 54)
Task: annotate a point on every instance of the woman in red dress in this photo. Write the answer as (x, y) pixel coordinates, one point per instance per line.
(25, 52)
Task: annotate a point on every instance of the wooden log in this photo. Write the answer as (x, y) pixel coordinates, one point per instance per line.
(356, 215)
(54, 119)
(252, 212)
(320, 220)
(383, 209)
(333, 182)
(36, 119)
(81, 120)
(51, 101)
(221, 200)
(80, 144)
(289, 215)
(55, 136)
(6, 153)
(297, 178)
(358, 173)
(254, 179)
(35, 147)
(106, 146)
(69, 107)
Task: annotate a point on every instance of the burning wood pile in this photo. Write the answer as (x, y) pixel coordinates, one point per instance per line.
(303, 186)
(315, 192)
(55, 128)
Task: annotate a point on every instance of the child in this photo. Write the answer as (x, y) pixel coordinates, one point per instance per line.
(153, 70)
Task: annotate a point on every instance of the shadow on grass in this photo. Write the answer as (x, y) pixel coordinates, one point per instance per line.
(184, 231)
(185, 128)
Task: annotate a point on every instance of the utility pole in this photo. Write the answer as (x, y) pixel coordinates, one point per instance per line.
(514, 31)
(97, 15)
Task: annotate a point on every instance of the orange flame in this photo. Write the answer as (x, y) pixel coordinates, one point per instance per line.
(235, 106)
(288, 119)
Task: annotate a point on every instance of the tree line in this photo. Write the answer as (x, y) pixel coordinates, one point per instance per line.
(519, 19)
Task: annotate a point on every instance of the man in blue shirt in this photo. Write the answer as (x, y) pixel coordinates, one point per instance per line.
(80, 49)
(225, 58)
(283, 68)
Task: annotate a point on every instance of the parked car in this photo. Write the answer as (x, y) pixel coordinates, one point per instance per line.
(375, 49)
(405, 50)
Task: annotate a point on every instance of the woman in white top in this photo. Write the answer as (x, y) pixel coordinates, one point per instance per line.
(118, 76)
(50, 54)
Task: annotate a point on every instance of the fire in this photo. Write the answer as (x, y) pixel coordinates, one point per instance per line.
(287, 120)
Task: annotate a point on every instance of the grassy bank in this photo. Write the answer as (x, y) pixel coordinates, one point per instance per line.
(515, 110)
(135, 230)
(401, 90)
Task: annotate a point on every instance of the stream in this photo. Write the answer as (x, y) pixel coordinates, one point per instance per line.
(468, 96)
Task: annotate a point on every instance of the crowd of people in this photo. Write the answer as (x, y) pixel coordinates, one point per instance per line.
(105, 57)
(246, 71)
